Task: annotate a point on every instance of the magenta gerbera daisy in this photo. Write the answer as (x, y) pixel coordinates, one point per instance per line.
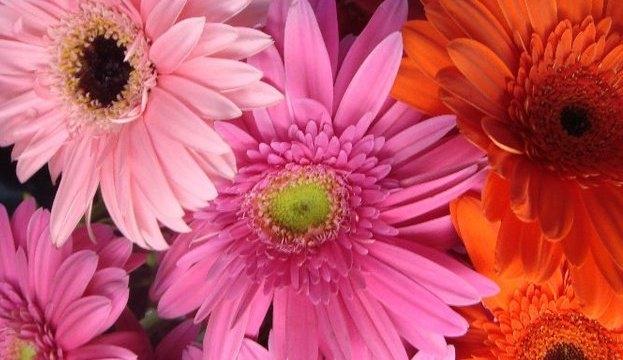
(55, 303)
(338, 217)
(123, 94)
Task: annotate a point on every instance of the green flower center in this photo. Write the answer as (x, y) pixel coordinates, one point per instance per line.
(26, 351)
(296, 209)
(300, 206)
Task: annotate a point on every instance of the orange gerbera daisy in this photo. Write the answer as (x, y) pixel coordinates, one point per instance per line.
(532, 320)
(538, 85)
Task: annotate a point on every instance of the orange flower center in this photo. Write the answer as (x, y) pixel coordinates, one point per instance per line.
(568, 102)
(567, 336)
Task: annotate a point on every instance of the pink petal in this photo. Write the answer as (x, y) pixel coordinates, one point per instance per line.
(171, 49)
(372, 323)
(308, 74)
(220, 74)
(101, 352)
(186, 127)
(172, 346)
(162, 17)
(77, 188)
(70, 281)
(82, 321)
(202, 100)
(379, 68)
(389, 18)
(253, 96)
(248, 43)
(215, 37)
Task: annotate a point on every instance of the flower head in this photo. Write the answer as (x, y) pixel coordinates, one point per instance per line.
(338, 215)
(123, 95)
(532, 320)
(56, 303)
(537, 85)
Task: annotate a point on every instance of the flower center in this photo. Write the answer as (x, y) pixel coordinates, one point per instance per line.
(101, 67)
(567, 336)
(575, 120)
(299, 208)
(14, 348)
(564, 351)
(104, 72)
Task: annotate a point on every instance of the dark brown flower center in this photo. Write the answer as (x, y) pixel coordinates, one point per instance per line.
(575, 120)
(104, 72)
(565, 351)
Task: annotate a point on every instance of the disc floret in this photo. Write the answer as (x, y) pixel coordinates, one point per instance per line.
(298, 208)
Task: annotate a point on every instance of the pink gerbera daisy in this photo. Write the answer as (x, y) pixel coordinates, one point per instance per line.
(55, 303)
(123, 94)
(338, 217)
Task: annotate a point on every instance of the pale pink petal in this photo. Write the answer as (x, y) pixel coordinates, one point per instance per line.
(215, 37)
(162, 17)
(248, 43)
(254, 96)
(202, 100)
(220, 74)
(77, 188)
(175, 45)
(187, 127)
(215, 11)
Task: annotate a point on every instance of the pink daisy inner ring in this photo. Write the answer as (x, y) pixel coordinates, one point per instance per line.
(298, 208)
(100, 67)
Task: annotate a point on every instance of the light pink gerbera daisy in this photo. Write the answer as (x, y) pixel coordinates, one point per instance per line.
(55, 303)
(123, 94)
(338, 217)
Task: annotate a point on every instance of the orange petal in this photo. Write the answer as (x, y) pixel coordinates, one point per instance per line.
(495, 195)
(555, 206)
(478, 234)
(521, 193)
(480, 25)
(502, 136)
(543, 15)
(437, 15)
(577, 243)
(614, 9)
(516, 16)
(426, 47)
(482, 67)
(611, 272)
(574, 10)
(604, 205)
(416, 89)
(456, 83)
(468, 120)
